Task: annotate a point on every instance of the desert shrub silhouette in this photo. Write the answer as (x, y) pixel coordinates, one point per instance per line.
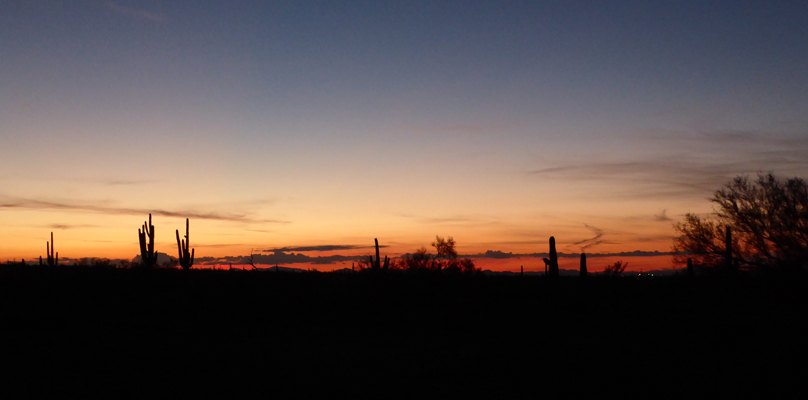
(445, 259)
(615, 269)
(418, 261)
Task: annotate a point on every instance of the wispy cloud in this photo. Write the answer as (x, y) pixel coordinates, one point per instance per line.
(280, 258)
(660, 179)
(499, 254)
(595, 170)
(543, 171)
(259, 230)
(650, 239)
(662, 217)
(695, 164)
(587, 243)
(66, 226)
(102, 181)
(642, 218)
(452, 219)
(328, 247)
(216, 245)
(8, 202)
(136, 14)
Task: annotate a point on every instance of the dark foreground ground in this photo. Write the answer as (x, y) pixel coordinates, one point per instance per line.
(114, 333)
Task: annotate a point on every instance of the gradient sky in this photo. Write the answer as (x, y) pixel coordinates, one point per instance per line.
(307, 123)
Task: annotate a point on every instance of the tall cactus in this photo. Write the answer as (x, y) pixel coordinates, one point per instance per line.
(186, 258)
(147, 254)
(583, 265)
(53, 256)
(377, 264)
(553, 258)
(690, 272)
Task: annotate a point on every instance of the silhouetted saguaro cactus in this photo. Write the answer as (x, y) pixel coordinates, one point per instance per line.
(583, 265)
(186, 258)
(377, 264)
(147, 255)
(53, 256)
(553, 258)
(377, 253)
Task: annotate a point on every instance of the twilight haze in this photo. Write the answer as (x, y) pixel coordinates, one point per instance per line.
(316, 126)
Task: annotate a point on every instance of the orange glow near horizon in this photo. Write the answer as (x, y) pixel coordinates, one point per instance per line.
(81, 234)
(595, 265)
(89, 235)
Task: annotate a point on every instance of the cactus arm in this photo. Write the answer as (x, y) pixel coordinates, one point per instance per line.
(187, 235)
(179, 247)
(151, 240)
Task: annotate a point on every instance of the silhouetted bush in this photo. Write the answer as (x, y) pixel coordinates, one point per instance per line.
(615, 269)
(445, 259)
(768, 219)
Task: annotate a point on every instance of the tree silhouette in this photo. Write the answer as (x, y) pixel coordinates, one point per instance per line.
(445, 259)
(250, 260)
(445, 248)
(768, 221)
(420, 260)
(615, 269)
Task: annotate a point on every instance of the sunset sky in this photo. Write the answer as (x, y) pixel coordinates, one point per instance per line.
(317, 126)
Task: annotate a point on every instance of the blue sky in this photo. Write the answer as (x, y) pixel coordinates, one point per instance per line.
(324, 122)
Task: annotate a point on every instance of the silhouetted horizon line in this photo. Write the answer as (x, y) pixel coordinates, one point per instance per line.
(279, 257)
